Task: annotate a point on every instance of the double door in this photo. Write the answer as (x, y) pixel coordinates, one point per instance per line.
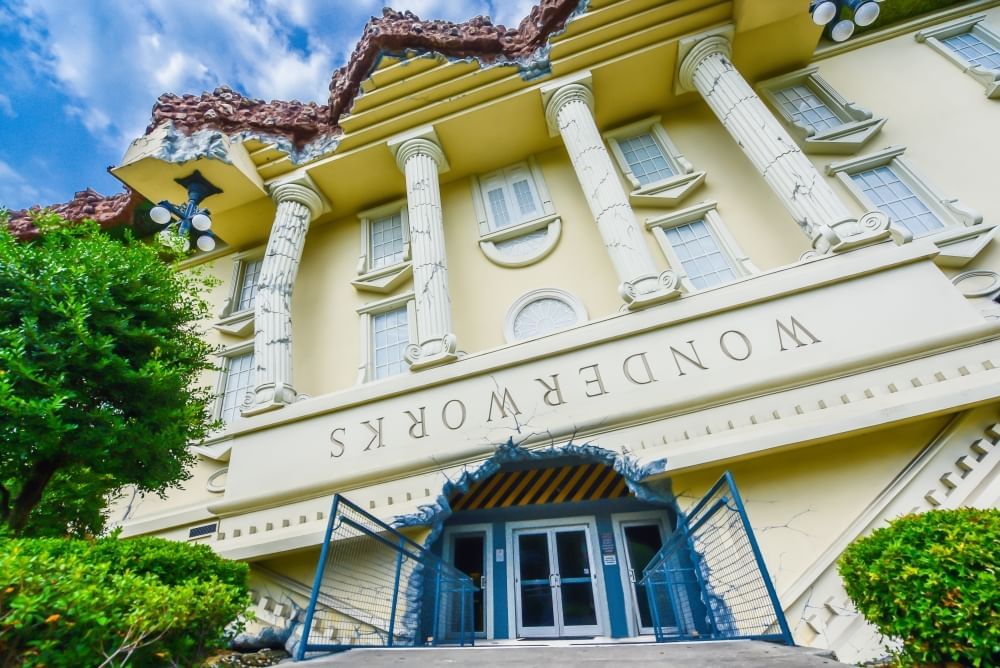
(555, 582)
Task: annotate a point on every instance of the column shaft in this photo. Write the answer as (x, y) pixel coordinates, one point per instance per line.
(570, 111)
(822, 216)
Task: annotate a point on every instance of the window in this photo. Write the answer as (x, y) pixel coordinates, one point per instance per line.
(972, 45)
(246, 289)
(542, 312)
(237, 314)
(383, 264)
(658, 172)
(387, 328)
(511, 196)
(885, 181)
(887, 192)
(820, 118)
(699, 248)
(518, 224)
(236, 380)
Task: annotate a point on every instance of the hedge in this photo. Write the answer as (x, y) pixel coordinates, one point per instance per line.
(932, 581)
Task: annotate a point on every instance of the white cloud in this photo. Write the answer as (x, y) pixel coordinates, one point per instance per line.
(6, 108)
(15, 189)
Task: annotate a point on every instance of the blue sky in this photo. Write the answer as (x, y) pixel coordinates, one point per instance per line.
(78, 78)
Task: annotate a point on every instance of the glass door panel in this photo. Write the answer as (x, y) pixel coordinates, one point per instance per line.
(575, 579)
(469, 550)
(536, 606)
(642, 542)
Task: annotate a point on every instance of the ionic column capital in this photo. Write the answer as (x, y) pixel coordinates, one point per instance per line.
(301, 190)
(421, 142)
(698, 50)
(571, 92)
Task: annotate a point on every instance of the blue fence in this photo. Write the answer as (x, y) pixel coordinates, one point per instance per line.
(709, 581)
(375, 587)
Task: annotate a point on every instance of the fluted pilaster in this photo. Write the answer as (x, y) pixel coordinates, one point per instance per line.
(297, 206)
(570, 111)
(821, 215)
(421, 158)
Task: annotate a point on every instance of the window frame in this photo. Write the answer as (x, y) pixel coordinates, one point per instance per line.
(233, 321)
(226, 357)
(387, 278)
(988, 77)
(491, 238)
(707, 212)
(857, 125)
(542, 293)
(366, 366)
(665, 192)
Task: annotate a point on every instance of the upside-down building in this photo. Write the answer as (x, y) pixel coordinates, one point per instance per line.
(526, 294)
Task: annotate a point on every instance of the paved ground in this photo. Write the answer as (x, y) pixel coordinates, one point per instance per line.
(687, 655)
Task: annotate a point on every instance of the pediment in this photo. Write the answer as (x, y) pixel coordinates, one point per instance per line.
(844, 139)
(667, 193)
(961, 246)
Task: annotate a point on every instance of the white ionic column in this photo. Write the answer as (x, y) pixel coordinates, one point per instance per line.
(569, 111)
(420, 158)
(822, 216)
(298, 204)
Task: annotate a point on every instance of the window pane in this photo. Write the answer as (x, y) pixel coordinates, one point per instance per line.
(498, 207)
(239, 381)
(247, 290)
(805, 107)
(895, 198)
(645, 159)
(386, 241)
(390, 337)
(969, 46)
(525, 199)
(703, 260)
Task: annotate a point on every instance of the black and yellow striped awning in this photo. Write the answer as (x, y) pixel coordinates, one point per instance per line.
(566, 484)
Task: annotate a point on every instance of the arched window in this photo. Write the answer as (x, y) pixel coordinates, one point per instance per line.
(542, 312)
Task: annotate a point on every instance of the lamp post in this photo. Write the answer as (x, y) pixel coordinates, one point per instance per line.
(829, 13)
(189, 221)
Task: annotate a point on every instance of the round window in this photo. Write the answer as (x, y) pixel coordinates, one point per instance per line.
(542, 312)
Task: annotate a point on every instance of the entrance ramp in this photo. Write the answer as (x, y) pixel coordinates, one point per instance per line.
(375, 587)
(746, 654)
(709, 580)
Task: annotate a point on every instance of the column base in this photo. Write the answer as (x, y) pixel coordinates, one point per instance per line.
(432, 352)
(268, 397)
(872, 228)
(644, 291)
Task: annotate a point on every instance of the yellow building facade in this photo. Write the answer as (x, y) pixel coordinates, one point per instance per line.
(661, 241)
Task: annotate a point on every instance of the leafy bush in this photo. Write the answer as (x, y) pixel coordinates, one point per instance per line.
(143, 602)
(933, 581)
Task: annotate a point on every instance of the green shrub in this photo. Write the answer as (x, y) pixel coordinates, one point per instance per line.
(74, 603)
(932, 581)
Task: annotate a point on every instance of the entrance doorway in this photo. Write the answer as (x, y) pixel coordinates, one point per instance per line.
(642, 539)
(555, 582)
(468, 550)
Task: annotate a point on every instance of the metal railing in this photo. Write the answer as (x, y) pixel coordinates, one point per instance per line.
(375, 587)
(709, 580)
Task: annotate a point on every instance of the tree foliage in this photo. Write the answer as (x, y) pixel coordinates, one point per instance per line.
(932, 581)
(100, 354)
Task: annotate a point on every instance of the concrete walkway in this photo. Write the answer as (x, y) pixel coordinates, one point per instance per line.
(701, 655)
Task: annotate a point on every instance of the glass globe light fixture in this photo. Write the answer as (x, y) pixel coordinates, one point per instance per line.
(205, 243)
(160, 215)
(201, 222)
(823, 12)
(842, 30)
(865, 11)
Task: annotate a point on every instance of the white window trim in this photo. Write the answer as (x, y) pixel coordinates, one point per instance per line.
(963, 236)
(548, 221)
(366, 367)
(989, 78)
(542, 293)
(666, 192)
(708, 212)
(384, 279)
(225, 357)
(857, 126)
(238, 323)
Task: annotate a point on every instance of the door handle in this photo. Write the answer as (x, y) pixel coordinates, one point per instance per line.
(631, 575)
(482, 582)
(554, 580)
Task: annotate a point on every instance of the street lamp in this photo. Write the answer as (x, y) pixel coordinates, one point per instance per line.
(828, 13)
(189, 222)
